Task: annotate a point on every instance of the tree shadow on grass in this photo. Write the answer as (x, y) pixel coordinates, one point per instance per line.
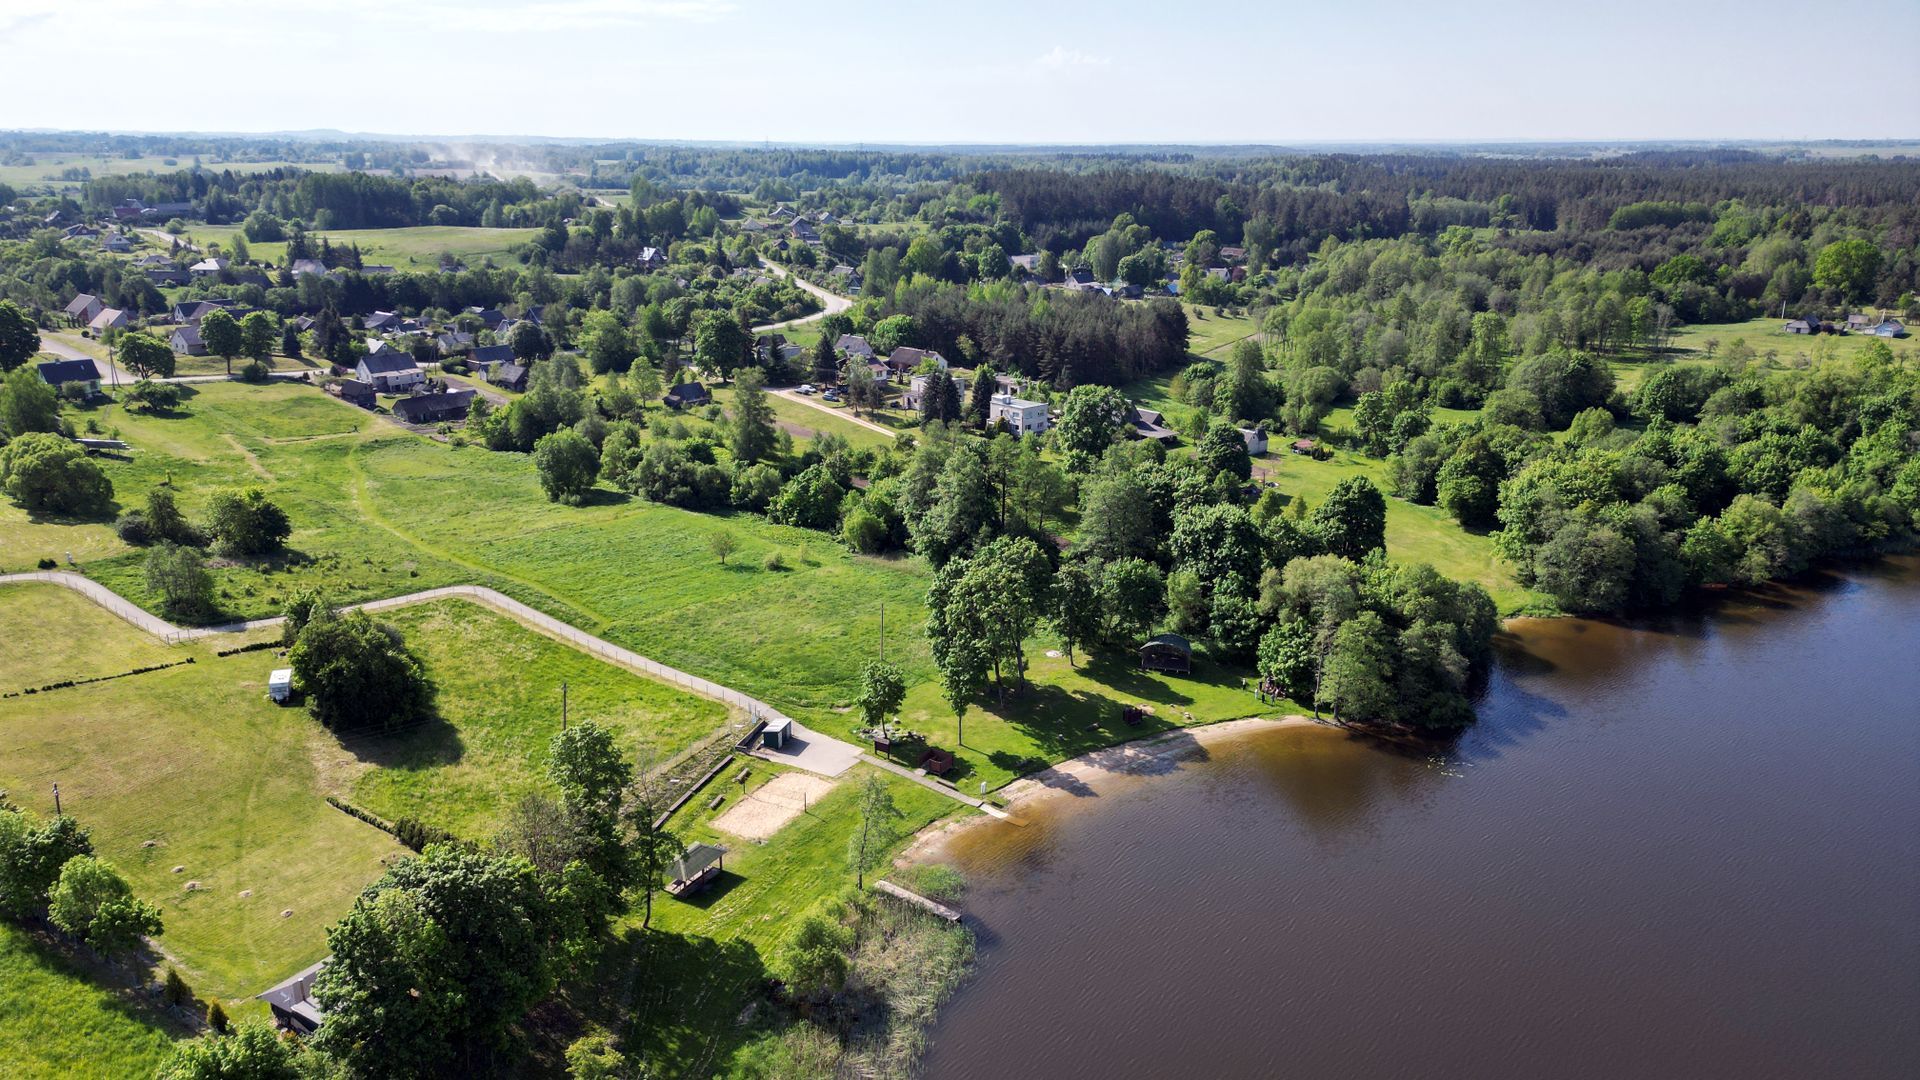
(684, 997)
(124, 992)
(722, 884)
(428, 743)
(601, 496)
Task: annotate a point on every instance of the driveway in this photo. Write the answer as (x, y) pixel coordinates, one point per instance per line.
(795, 395)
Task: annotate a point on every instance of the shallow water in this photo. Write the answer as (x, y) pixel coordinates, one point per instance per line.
(1689, 848)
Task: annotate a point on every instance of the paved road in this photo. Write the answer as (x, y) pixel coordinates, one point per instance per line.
(835, 303)
(792, 395)
(108, 368)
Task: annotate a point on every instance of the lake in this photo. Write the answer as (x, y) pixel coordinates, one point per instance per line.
(1681, 848)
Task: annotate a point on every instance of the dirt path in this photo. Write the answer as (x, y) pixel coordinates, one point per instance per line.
(835, 303)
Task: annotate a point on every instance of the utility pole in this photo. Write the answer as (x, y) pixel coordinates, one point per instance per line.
(56, 800)
(883, 630)
(563, 706)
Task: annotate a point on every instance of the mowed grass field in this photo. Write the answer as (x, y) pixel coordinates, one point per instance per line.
(46, 168)
(416, 248)
(499, 694)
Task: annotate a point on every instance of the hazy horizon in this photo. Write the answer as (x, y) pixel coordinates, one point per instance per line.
(850, 72)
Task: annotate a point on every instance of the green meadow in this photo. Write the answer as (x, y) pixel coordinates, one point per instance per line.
(416, 247)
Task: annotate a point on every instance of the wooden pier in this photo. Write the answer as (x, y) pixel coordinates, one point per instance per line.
(916, 899)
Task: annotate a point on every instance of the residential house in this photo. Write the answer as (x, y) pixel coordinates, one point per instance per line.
(81, 309)
(1023, 417)
(1255, 438)
(1006, 384)
(207, 268)
(848, 279)
(192, 311)
(651, 258)
(390, 371)
(1233, 254)
(438, 408)
(489, 317)
(375, 269)
(186, 339)
(382, 321)
(1808, 325)
(129, 210)
(1889, 328)
(151, 261)
(917, 389)
(165, 273)
(687, 395)
(308, 268)
(490, 356)
(906, 359)
(509, 376)
(1859, 321)
(292, 1002)
(454, 341)
(854, 345)
(354, 392)
(1151, 424)
(117, 243)
(57, 373)
(804, 233)
(1078, 277)
(1026, 265)
(109, 319)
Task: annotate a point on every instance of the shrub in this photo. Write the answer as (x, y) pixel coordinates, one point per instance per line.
(47, 564)
(134, 528)
(243, 522)
(217, 1018)
(775, 562)
(254, 372)
(175, 991)
(180, 576)
(417, 834)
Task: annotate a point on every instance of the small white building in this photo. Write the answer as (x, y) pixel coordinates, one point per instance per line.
(1023, 417)
(280, 684)
(1256, 440)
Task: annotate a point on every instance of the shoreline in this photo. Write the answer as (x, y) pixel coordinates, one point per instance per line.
(1120, 759)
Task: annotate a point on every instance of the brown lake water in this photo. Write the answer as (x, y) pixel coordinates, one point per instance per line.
(1681, 849)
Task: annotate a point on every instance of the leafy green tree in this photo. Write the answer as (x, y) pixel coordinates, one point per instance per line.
(1847, 266)
(145, 355)
(91, 901)
(878, 828)
(259, 332)
(606, 341)
(19, 337)
(811, 500)
(1091, 420)
(567, 464)
(399, 990)
(46, 473)
(892, 332)
(594, 1057)
(1076, 614)
(1352, 520)
(1287, 659)
(751, 431)
(359, 674)
(309, 602)
(814, 956)
(1358, 674)
(151, 397)
(178, 575)
(529, 342)
(1585, 566)
(27, 404)
(243, 523)
(1468, 484)
(1563, 383)
(882, 688)
(223, 337)
(653, 851)
(980, 395)
(31, 855)
(1133, 599)
(254, 1051)
(719, 342)
(1223, 449)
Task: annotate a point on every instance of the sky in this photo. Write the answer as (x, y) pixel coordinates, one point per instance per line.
(985, 71)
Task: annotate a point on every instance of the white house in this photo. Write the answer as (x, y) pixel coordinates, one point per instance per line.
(1023, 417)
(390, 371)
(1256, 440)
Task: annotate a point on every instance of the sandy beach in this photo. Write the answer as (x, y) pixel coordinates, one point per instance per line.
(1086, 771)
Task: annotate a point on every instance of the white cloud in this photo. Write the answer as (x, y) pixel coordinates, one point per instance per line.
(1061, 58)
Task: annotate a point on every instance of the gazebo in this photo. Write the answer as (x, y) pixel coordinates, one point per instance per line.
(1167, 652)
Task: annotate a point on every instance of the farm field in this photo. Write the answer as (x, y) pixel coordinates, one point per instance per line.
(46, 168)
(1214, 334)
(414, 248)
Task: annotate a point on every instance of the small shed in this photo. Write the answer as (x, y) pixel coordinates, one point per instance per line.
(774, 735)
(292, 1002)
(1167, 652)
(280, 684)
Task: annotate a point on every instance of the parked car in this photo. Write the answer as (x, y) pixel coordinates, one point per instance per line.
(804, 388)
(831, 395)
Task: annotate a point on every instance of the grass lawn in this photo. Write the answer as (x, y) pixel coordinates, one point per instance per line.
(415, 248)
(1212, 334)
(63, 639)
(56, 1021)
(223, 783)
(499, 694)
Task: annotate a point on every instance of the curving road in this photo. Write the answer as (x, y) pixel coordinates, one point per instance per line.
(835, 303)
